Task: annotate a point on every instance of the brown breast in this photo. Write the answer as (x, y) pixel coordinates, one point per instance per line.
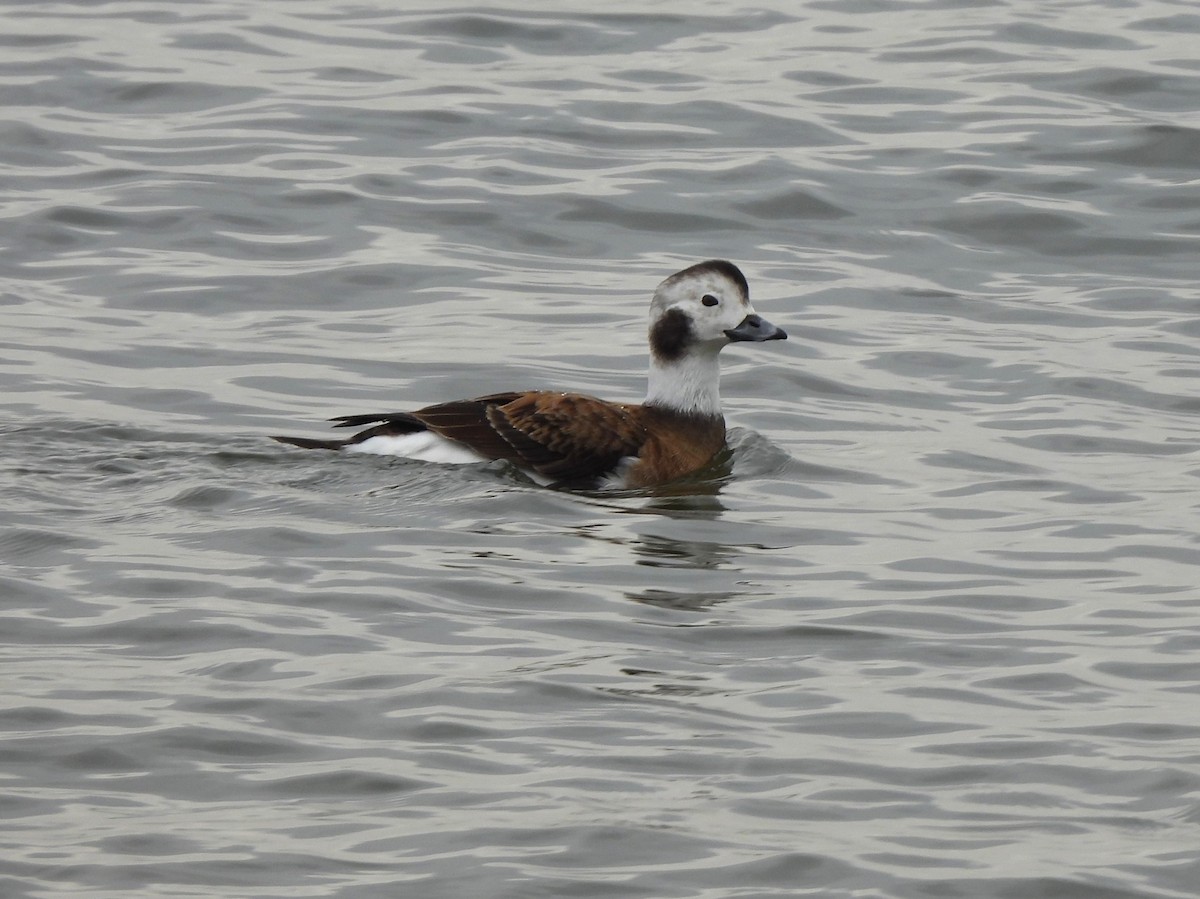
(676, 445)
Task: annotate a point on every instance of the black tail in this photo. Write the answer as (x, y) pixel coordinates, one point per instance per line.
(309, 443)
(397, 422)
(389, 425)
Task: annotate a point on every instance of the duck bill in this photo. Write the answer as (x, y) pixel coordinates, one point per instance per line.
(756, 328)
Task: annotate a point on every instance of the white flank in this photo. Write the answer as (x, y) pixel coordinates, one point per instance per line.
(423, 445)
(618, 478)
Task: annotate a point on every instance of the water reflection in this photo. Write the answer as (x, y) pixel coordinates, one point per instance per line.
(659, 551)
(689, 601)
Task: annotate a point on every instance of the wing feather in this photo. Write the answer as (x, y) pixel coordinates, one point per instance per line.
(467, 422)
(568, 436)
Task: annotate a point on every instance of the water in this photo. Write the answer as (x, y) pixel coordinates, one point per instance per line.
(936, 637)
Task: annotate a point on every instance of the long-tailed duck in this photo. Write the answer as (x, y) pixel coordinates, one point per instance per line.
(572, 440)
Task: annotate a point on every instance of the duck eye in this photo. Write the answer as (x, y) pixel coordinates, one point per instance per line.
(709, 300)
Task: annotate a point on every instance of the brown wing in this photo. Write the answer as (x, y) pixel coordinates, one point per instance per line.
(565, 436)
(467, 422)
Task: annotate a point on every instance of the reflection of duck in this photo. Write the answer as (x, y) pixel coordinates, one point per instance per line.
(573, 440)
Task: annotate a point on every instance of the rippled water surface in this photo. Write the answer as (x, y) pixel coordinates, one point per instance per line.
(938, 634)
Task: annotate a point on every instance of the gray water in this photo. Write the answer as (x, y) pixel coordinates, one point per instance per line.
(936, 636)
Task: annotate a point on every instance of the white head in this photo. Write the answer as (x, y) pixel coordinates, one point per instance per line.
(693, 315)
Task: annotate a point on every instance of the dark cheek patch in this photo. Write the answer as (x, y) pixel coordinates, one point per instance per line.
(671, 335)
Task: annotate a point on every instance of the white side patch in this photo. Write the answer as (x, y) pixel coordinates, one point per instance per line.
(423, 445)
(616, 480)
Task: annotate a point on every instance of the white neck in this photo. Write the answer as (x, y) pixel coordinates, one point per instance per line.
(690, 384)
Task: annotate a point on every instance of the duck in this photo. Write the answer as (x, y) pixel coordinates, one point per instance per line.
(576, 441)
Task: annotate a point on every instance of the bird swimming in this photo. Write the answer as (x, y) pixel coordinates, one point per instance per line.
(576, 441)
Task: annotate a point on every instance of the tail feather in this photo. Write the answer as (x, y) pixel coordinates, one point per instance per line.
(388, 425)
(310, 443)
(401, 422)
